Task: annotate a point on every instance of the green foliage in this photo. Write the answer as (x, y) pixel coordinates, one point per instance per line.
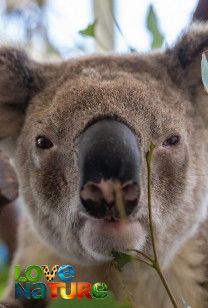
(4, 273)
(120, 259)
(152, 26)
(132, 49)
(204, 71)
(90, 30)
(108, 302)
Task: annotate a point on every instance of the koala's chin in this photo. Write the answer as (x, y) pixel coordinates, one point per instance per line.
(100, 238)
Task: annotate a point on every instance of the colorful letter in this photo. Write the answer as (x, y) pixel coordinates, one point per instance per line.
(40, 292)
(54, 287)
(17, 274)
(73, 291)
(86, 291)
(19, 289)
(49, 276)
(99, 290)
(29, 270)
(69, 271)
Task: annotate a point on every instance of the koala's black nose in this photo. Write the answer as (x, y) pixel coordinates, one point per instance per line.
(109, 162)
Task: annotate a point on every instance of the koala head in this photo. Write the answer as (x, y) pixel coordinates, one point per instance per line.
(79, 129)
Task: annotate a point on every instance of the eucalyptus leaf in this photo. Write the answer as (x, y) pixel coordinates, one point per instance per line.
(90, 30)
(132, 49)
(120, 259)
(204, 71)
(152, 26)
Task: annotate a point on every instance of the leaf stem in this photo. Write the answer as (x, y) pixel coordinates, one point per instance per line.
(120, 31)
(156, 265)
(149, 159)
(142, 254)
(143, 261)
(119, 199)
(172, 299)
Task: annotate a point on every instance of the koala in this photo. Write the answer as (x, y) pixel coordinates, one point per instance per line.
(74, 130)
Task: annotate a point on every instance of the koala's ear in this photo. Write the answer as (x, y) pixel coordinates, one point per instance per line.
(19, 81)
(184, 59)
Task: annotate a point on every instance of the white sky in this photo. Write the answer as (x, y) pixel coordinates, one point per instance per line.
(173, 15)
(67, 17)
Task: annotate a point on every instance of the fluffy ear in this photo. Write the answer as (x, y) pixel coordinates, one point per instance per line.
(185, 57)
(19, 81)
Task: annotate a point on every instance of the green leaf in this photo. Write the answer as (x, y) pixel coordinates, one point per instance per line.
(4, 274)
(120, 259)
(204, 71)
(152, 26)
(132, 49)
(90, 30)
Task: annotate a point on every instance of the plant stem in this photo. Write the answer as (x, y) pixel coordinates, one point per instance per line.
(156, 265)
(143, 261)
(119, 199)
(149, 159)
(119, 30)
(142, 254)
(157, 268)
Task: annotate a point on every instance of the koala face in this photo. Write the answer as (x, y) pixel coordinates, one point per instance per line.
(83, 127)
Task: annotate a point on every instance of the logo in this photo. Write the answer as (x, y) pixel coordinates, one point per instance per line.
(29, 287)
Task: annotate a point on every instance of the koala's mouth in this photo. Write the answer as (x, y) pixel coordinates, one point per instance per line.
(116, 224)
(111, 220)
(113, 223)
(99, 237)
(110, 223)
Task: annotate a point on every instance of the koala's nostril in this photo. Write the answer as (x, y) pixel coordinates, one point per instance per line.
(94, 190)
(100, 199)
(98, 192)
(130, 191)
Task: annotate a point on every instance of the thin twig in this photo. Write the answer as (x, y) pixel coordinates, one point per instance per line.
(119, 29)
(143, 261)
(149, 159)
(119, 203)
(119, 199)
(142, 254)
(156, 265)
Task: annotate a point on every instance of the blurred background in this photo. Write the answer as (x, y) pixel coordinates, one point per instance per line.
(51, 30)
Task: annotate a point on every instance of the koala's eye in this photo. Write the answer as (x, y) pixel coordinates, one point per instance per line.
(173, 140)
(43, 143)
